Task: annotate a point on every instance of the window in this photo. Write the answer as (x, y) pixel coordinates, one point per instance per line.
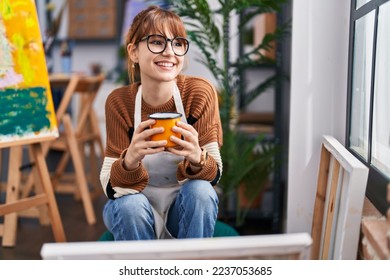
(368, 120)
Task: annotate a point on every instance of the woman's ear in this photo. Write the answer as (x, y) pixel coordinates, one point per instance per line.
(132, 52)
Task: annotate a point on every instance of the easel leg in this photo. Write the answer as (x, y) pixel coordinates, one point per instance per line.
(28, 186)
(42, 209)
(94, 175)
(60, 168)
(13, 183)
(96, 130)
(39, 159)
(79, 170)
(93, 127)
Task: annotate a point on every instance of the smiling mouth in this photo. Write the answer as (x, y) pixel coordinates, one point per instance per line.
(165, 64)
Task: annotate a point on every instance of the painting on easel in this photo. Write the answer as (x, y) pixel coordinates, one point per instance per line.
(26, 107)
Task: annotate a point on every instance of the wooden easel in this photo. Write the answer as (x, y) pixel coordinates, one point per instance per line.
(13, 204)
(85, 133)
(27, 118)
(72, 142)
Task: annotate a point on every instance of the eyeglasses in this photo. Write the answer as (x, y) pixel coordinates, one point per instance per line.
(157, 44)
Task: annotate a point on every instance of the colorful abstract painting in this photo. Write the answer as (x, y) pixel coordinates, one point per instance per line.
(26, 105)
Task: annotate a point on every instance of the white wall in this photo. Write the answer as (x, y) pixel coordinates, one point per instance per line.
(86, 54)
(318, 97)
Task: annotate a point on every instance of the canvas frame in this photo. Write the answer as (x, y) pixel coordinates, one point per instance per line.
(341, 188)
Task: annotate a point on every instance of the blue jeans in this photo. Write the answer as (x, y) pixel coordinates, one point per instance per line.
(192, 215)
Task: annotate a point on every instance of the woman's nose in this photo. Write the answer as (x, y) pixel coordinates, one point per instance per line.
(169, 49)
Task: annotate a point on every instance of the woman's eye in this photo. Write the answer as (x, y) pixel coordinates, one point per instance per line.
(156, 42)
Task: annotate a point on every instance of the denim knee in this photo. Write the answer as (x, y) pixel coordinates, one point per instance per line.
(195, 210)
(129, 206)
(199, 190)
(129, 217)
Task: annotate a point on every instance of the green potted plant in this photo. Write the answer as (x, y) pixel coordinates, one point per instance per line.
(247, 160)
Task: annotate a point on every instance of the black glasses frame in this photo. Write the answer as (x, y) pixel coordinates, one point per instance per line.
(166, 43)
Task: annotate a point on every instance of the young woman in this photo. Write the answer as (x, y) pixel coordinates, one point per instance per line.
(154, 191)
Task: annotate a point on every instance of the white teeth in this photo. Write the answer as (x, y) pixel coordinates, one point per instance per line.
(165, 64)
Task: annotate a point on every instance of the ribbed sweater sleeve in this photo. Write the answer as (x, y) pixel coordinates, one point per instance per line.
(119, 124)
(118, 110)
(201, 101)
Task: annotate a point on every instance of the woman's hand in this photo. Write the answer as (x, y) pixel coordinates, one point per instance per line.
(141, 145)
(189, 147)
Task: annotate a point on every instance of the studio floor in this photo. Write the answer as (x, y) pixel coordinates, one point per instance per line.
(31, 235)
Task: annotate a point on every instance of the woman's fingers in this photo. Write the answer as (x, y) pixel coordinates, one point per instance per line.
(186, 127)
(187, 131)
(140, 144)
(144, 125)
(154, 150)
(189, 145)
(143, 133)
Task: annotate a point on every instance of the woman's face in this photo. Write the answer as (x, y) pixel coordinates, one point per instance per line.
(162, 67)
